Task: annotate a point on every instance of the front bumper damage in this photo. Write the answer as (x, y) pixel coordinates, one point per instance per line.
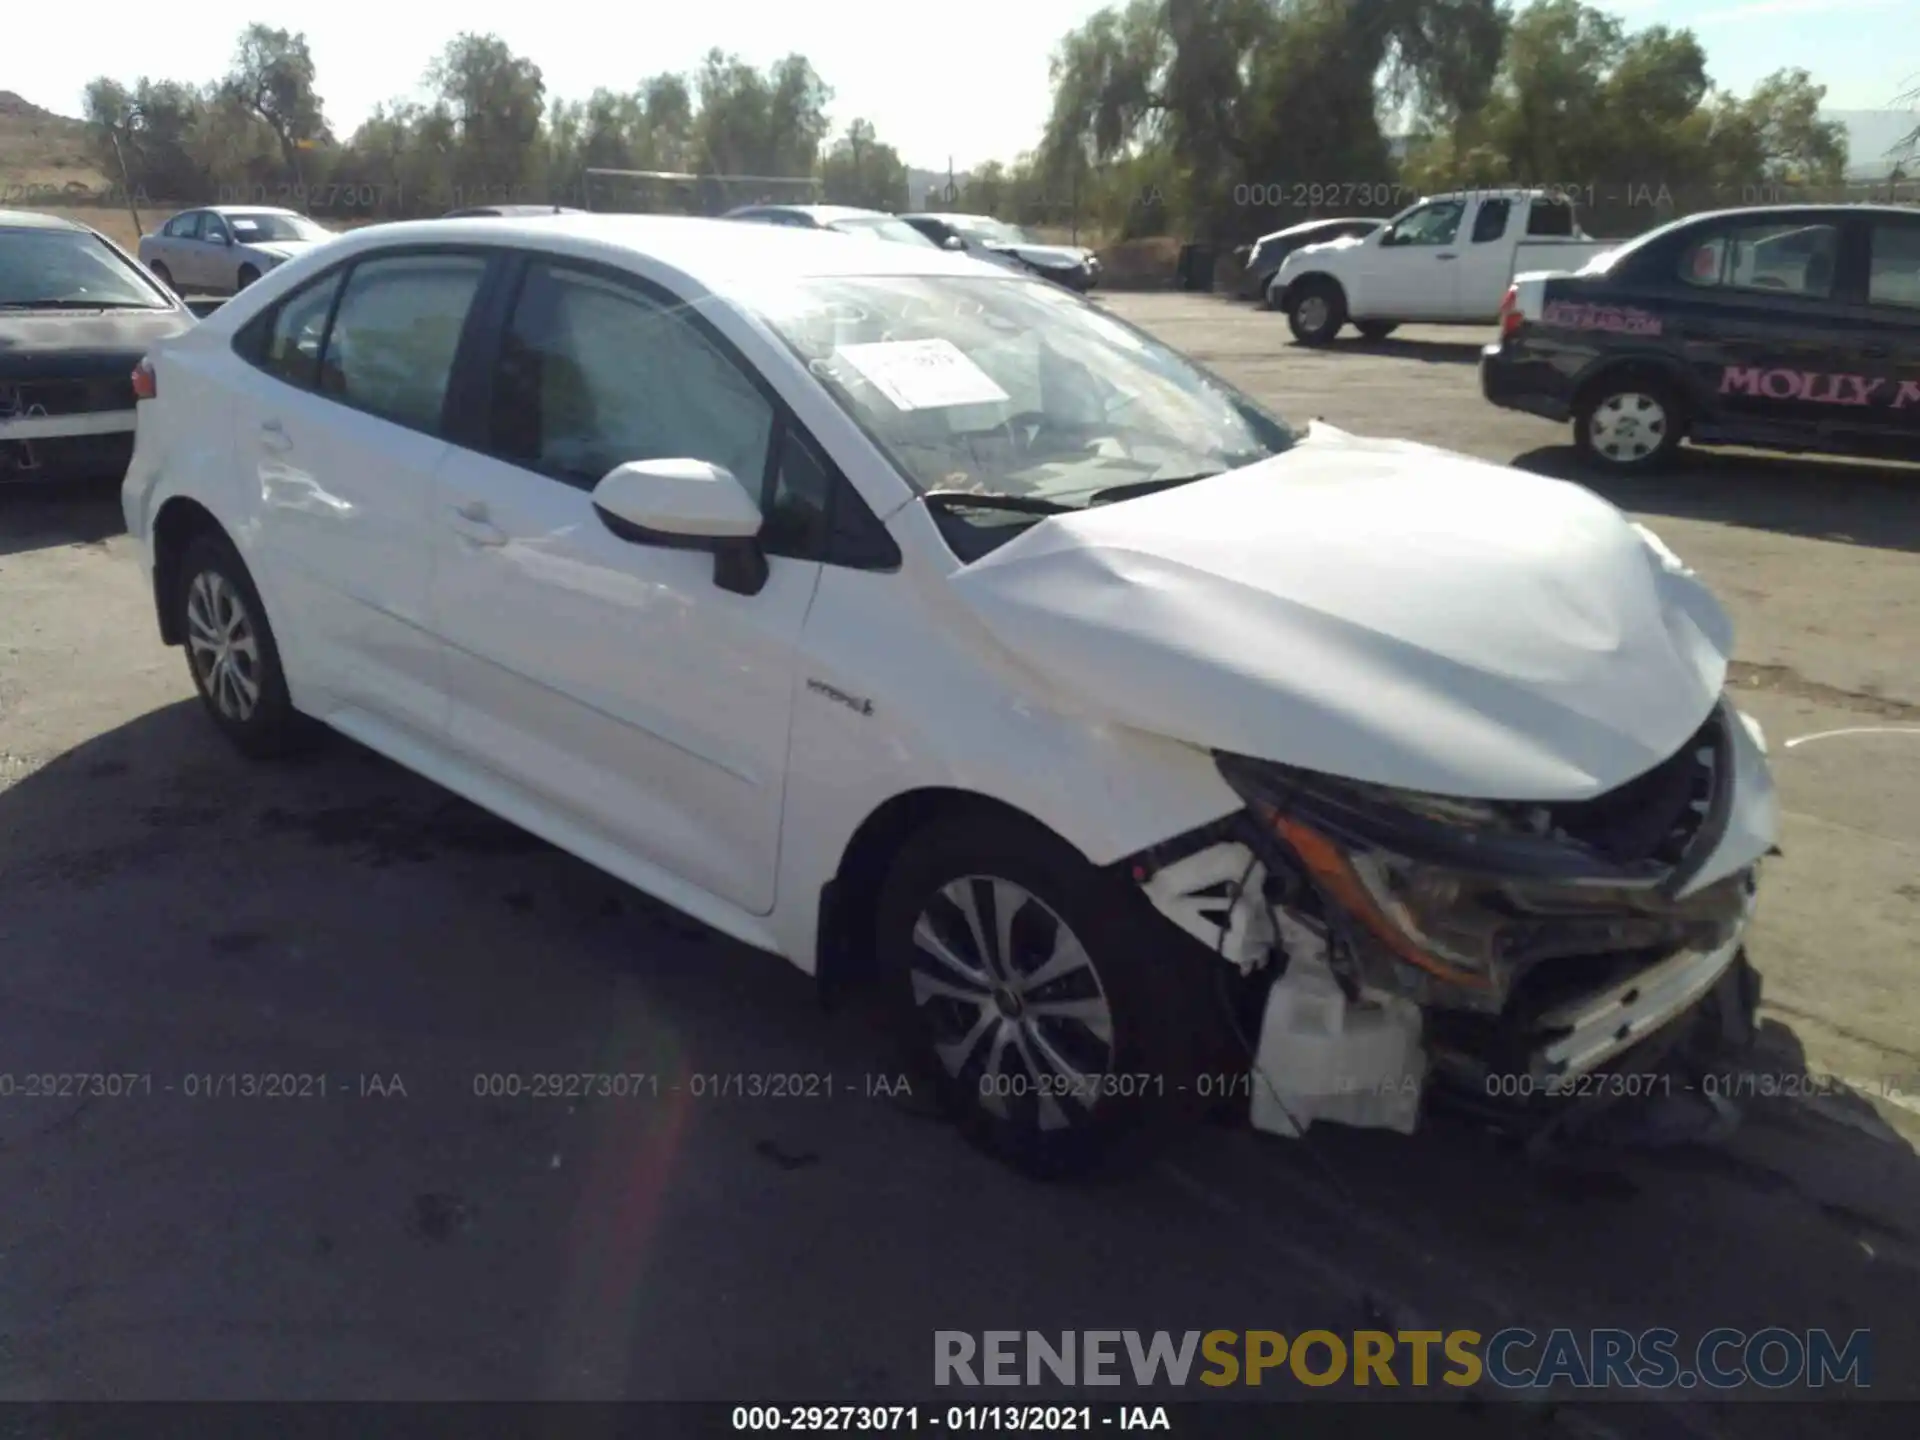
(1526, 960)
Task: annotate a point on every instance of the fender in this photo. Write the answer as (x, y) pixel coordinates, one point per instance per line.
(1660, 362)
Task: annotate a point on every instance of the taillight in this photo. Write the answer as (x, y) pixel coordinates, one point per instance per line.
(1510, 317)
(145, 387)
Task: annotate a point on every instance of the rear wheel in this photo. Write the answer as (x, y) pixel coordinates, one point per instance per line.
(1632, 422)
(1376, 329)
(164, 276)
(1036, 996)
(231, 652)
(1316, 312)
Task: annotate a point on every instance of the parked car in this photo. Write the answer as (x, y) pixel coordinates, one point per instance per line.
(1446, 260)
(76, 314)
(842, 219)
(911, 619)
(223, 249)
(514, 211)
(1073, 266)
(1261, 260)
(1791, 328)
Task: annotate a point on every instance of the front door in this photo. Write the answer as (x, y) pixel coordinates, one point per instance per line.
(341, 431)
(1409, 271)
(610, 680)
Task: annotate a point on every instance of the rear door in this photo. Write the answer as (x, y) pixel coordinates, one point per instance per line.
(340, 425)
(1481, 273)
(1762, 333)
(1890, 332)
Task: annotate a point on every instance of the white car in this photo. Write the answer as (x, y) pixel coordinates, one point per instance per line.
(223, 249)
(1447, 260)
(904, 616)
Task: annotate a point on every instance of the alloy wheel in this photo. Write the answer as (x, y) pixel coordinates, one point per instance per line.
(1313, 313)
(1013, 1000)
(224, 645)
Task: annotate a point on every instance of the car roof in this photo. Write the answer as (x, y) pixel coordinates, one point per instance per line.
(949, 217)
(503, 211)
(824, 214)
(34, 220)
(244, 210)
(717, 255)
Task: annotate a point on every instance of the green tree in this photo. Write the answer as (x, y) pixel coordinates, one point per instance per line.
(859, 170)
(155, 125)
(272, 80)
(493, 102)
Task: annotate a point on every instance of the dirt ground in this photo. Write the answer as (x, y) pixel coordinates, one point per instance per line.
(169, 910)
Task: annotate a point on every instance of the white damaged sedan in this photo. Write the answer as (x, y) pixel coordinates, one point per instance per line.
(913, 619)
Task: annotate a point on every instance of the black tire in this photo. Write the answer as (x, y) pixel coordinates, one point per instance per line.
(1629, 423)
(164, 276)
(1135, 1084)
(248, 274)
(212, 582)
(1376, 330)
(1316, 311)
(1262, 292)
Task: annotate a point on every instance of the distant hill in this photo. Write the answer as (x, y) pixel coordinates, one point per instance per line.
(42, 153)
(1871, 134)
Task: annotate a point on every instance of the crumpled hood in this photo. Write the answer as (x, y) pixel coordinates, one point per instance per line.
(1374, 609)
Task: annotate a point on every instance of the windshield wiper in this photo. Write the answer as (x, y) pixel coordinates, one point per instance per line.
(1135, 488)
(994, 500)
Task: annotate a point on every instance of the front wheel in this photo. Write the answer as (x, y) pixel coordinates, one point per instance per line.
(1053, 1022)
(245, 278)
(1316, 312)
(1632, 423)
(231, 652)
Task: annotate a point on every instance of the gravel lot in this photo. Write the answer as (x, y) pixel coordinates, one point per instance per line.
(166, 908)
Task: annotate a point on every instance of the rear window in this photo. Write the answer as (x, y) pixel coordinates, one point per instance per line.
(70, 269)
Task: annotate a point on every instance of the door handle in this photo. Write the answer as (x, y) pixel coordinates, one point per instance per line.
(1448, 256)
(274, 437)
(472, 523)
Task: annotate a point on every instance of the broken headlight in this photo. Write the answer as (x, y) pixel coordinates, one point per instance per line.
(1468, 891)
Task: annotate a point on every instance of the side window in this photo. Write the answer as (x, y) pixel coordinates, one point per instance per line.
(593, 374)
(390, 351)
(289, 346)
(1490, 222)
(213, 228)
(798, 511)
(188, 226)
(1784, 259)
(1893, 274)
(1550, 220)
(1434, 224)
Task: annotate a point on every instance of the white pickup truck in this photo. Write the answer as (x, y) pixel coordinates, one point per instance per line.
(1447, 260)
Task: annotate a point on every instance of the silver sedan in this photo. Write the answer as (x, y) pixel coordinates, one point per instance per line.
(222, 249)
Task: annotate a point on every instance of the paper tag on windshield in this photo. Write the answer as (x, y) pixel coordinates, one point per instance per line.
(922, 374)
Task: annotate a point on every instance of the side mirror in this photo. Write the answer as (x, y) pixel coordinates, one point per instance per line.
(953, 242)
(687, 505)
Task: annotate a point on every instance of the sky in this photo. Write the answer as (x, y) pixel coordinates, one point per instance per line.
(973, 90)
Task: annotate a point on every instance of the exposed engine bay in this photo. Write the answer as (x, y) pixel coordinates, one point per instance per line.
(1511, 954)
